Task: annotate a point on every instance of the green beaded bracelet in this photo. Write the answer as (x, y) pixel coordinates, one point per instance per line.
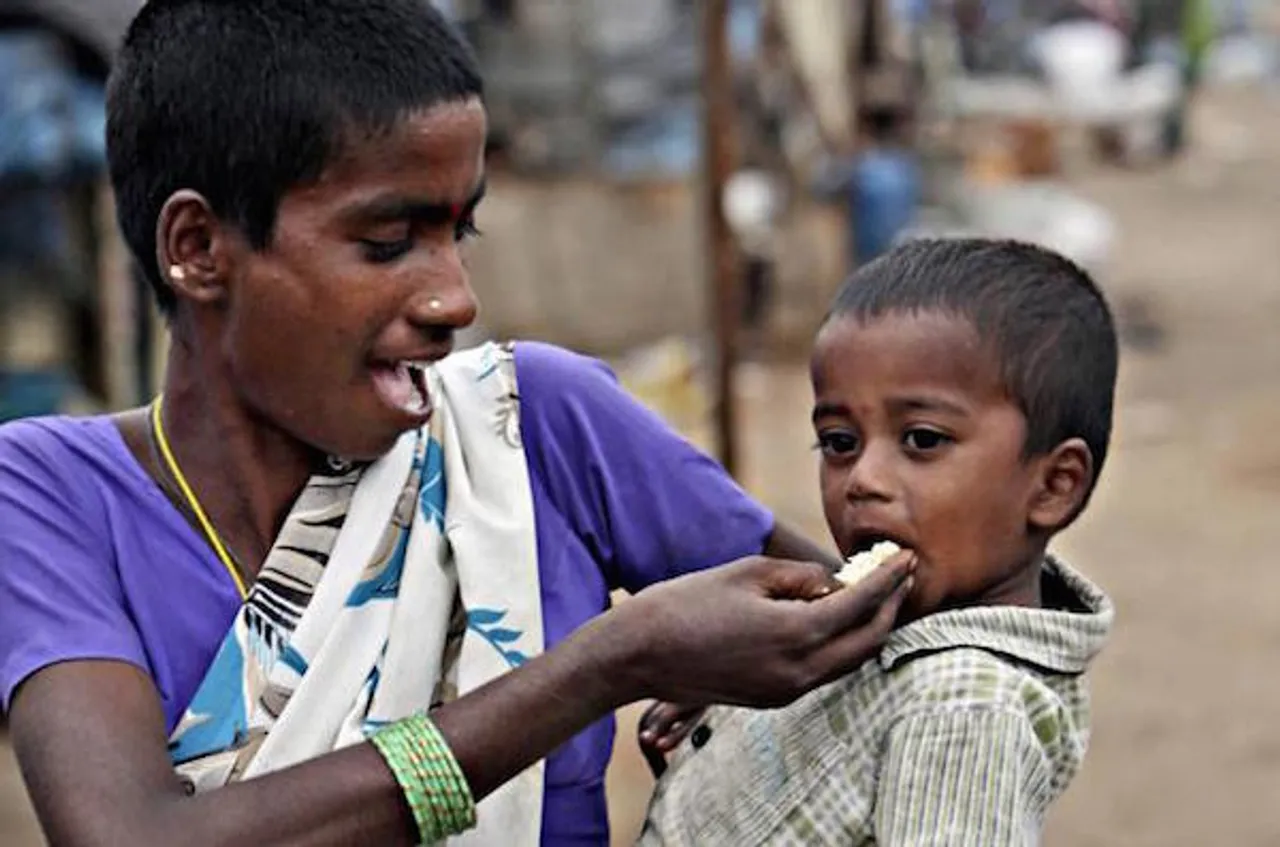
(429, 776)
(429, 806)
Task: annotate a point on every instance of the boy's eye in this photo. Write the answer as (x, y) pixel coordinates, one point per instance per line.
(837, 444)
(383, 252)
(922, 440)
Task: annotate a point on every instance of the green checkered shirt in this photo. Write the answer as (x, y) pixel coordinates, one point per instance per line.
(970, 724)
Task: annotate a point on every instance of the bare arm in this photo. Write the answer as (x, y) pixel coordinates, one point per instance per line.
(90, 739)
(101, 774)
(90, 735)
(787, 543)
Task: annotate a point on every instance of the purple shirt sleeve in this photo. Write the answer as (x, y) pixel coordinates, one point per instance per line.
(646, 503)
(60, 595)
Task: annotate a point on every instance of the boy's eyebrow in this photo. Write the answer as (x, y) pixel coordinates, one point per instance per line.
(927, 404)
(828, 410)
(432, 213)
(897, 405)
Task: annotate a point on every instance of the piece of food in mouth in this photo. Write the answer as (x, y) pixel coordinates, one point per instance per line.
(859, 567)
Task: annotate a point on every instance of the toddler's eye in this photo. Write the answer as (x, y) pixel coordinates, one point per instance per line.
(922, 440)
(835, 444)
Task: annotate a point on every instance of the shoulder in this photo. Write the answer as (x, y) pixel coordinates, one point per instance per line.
(57, 468)
(60, 584)
(55, 432)
(969, 684)
(968, 678)
(51, 447)
(960, 676)
(30, 437)
(545, 370)
(62, 468)
(945, 687)
(566, 396)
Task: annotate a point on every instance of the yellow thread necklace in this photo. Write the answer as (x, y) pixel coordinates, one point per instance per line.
(157, 424)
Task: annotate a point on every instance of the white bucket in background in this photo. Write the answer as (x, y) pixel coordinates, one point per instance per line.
(1083, 62)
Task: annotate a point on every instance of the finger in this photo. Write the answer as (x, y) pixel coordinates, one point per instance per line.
(831, 586)
(788, 580)
(853, 606)
(651, 713)
(849, 651)
(660, 717)
(893, 561)
(675, 733)
(655, 760)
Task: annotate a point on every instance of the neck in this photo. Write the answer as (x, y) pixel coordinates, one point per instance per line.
(1020, 589)
(245, 471)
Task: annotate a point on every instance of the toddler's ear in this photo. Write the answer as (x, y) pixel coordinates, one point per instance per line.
(1063, 479)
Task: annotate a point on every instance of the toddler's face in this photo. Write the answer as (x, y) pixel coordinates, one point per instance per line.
(921, 445)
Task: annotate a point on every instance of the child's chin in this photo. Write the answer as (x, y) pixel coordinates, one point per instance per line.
(916, 606)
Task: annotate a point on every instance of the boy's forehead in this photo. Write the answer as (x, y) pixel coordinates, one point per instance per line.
(435, 156)
(904, 349)
(441, 131)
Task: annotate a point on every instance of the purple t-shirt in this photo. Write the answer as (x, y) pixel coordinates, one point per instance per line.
(95, 563)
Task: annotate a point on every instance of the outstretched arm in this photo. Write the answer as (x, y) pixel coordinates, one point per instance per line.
(91, 742)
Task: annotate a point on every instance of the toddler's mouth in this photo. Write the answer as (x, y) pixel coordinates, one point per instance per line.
(864, 541)
(866, 558)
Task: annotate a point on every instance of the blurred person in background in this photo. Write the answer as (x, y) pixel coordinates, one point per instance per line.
(1179, 32)
(333, 587)
(754, 202)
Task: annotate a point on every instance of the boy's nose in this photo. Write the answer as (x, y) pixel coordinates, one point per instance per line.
(446, 298)
(871, 477)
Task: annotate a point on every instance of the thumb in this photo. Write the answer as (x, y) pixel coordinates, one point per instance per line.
(852, 607)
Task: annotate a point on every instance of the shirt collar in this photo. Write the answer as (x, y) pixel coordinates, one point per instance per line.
(1053, 639)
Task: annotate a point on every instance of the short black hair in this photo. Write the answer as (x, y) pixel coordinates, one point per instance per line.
(243, 100)
(1042, 316)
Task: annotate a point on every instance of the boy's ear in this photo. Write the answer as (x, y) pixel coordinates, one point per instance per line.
(193, 248)
(1063, 479)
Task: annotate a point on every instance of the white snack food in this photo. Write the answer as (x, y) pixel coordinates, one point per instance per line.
(859, 567)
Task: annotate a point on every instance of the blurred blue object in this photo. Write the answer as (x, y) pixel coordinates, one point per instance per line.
(884, 195)
(1166, 50)
(25, 394)
(33, 228)
(52, 122)
(910, 12)
(89, 127)
(744, 30)
(52, 135)
(664, 145)
(35, 107)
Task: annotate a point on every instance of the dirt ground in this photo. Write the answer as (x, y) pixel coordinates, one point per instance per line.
(1185, 527)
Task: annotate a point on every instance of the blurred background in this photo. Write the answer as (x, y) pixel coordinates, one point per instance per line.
(679, 186)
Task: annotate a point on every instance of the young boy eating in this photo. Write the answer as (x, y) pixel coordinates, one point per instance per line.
(963, 402)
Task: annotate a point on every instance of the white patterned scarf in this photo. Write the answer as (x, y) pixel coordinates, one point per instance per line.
(390, 589)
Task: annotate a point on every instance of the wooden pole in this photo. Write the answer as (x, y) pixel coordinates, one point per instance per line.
(722, 265)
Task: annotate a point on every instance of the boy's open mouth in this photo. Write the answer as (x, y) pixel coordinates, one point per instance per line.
(864, 540)
(403, 386)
